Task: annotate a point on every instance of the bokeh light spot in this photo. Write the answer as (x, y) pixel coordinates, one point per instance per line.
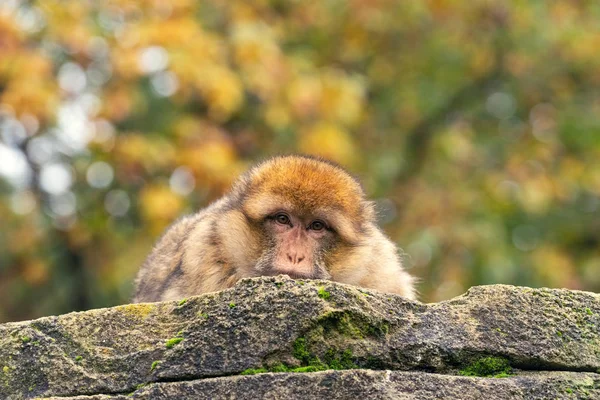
(153, 59)
(71, 78)
(56, 178)
(99, 175)
(501, 105)
(117, 203)
(526, 237)
(182, 181)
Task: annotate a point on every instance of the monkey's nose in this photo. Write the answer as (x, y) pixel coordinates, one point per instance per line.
(294, 258)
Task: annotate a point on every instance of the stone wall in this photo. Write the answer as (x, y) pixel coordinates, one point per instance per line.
(280, 338)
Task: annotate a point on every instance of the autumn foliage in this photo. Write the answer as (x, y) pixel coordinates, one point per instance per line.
(475, 126)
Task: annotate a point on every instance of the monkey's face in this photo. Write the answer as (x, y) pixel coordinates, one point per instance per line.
(304, 212)
(296, 245)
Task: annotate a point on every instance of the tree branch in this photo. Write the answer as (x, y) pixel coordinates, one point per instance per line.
(419, 138)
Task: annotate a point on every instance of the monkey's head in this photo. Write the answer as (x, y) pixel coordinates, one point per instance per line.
(297, 215)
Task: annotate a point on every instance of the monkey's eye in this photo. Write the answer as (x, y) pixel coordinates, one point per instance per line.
(283, 219)
(317, 225)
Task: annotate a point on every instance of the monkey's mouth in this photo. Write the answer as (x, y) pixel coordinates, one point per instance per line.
(292, 274)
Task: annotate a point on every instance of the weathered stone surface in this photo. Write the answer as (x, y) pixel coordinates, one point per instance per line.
(279, 324)
(371, 385)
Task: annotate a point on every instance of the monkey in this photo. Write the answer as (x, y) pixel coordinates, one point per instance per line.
(302, 216)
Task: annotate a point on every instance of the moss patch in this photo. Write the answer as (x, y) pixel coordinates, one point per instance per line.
(326, 345)
(335, 360)
(355, 326)
(324, 294)
(154, 365)
(496, 367)
(173, 341)
(332, 359)
(253, 371)
(137, 310)
(308, 368)
(300, 349)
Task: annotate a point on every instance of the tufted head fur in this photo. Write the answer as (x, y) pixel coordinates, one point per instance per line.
(306, 186)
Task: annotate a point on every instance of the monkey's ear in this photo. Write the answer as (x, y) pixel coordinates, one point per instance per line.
(368, 210)
(349, 230)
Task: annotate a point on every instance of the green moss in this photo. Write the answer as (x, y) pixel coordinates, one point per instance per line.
(137, 310)
(203, 315)
(231, 305)
(342, 323)
(332, 359)
(302, 353)
(6, 369)
(325, 295)
(173, 341)
(278, 284)
(279, 368)
(559, 333)
(337, 361)
(496, 367)
(300, 349)
(182, 302)
(253, 371)
(318, 366)
(588, 311)
(25, 339)
(569, 390)
(308, 368)
(351, 325)
(154, 365)
(78, 358)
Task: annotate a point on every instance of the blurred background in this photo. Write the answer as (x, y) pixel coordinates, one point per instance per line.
(474, 125)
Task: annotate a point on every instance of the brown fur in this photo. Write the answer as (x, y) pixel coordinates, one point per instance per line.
(229, 240)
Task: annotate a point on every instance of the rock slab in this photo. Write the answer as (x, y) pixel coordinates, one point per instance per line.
(275, 337)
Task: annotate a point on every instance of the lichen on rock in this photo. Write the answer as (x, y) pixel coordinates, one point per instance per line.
(271, 336)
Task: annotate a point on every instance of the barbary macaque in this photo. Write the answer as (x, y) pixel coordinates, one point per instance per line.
(294, 215)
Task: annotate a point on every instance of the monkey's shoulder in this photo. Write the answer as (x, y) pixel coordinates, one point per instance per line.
(166, 263)
(183, 227)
